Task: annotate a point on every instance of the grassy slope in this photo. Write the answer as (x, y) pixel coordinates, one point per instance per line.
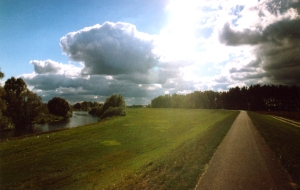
(283, 139)
(166, 147)
(290, 115)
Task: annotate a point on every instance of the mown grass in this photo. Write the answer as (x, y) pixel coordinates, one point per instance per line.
(287, 114)
(149, 148)
(283, 139)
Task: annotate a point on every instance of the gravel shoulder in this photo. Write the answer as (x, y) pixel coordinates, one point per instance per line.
(244, 161)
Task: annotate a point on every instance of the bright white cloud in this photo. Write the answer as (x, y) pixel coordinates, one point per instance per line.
(52, 67)
(111, 49)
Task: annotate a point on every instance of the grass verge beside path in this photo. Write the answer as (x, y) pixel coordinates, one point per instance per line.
(181, 167)
(283, 139)
(286, 114)
(149, 148)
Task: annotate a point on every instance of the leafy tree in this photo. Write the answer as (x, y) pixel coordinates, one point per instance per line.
(4, 121)
(15, 88)
(22, 104)
(59, 106)
(113, 106)
(32, 106)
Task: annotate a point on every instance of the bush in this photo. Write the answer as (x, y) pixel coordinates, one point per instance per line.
(113, 106)
(114, 111)
(59, 106)
(96, 111)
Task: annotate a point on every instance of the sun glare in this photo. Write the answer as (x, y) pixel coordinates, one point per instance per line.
(177, 38)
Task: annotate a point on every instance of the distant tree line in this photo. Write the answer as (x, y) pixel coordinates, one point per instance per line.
(255, 97)
(85, 106)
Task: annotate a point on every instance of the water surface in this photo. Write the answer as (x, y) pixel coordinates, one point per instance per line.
(78, 118)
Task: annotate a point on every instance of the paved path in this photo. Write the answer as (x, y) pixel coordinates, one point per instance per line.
(244, 161)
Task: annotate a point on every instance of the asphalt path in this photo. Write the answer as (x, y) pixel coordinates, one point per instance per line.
(244, 161)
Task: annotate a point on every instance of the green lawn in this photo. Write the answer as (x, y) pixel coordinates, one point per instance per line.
(149, 148)
(283, 139)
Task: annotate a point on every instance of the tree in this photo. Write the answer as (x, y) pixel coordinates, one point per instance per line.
(59, 106)
(4, 121)
(32, 106)
(113, 106)
(23, 106)
(15, 88)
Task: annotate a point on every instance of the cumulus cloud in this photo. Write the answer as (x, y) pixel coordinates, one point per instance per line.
(92, 88)
(230, 37)
(111, 49)
(115, 58)
(47, 66)
(52, 67)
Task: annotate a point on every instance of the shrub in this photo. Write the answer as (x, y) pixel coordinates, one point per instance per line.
(113, 106)
(114, 111)
(59, 106)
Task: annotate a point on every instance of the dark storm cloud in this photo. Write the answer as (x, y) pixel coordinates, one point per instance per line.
(78, 89)
(274, 34)
(111, 49)
(242, 70)
(277, 50)
(279, 6)
(234, 38)
(153, 76)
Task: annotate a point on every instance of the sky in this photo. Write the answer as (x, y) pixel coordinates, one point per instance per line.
(87, 50)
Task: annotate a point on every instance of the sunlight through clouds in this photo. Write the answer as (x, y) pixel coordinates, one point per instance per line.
(198, 45)
(177, 39)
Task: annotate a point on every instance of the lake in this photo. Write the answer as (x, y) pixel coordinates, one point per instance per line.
(78, 118)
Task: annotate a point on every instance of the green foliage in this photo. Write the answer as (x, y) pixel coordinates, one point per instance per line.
(59, 106)
(257, 97)
(114, 111)
(85, 106)
(113, 106)
(22, 104)
(195, 100)
(4, 121)
(96, 111)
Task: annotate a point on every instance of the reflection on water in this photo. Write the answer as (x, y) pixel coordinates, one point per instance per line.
(78, 118)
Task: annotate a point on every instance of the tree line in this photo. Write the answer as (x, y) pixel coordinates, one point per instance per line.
(256, 98)
(20, 107)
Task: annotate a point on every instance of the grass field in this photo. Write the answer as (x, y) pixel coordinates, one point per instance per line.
(283, 139)
(287, 114)
(149, 148)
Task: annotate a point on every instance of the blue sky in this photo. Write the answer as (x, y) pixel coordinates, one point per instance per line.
(32, 29)
(88, 50)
